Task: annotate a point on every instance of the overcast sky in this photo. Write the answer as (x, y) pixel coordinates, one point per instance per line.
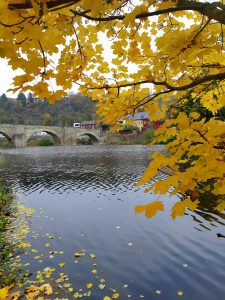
(6, 75)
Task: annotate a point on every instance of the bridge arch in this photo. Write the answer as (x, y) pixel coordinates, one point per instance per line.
(55, 137)
(9, 139)
(94, 138)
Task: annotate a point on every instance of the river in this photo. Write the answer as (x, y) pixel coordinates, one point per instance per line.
(84, 198)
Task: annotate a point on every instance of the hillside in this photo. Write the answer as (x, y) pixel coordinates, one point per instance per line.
(32, 111)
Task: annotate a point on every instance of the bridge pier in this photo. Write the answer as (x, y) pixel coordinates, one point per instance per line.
(19, 140)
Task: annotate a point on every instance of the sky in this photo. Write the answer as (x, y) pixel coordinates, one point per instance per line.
(6, 75)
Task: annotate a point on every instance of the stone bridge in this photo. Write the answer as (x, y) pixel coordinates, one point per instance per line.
(18, 135)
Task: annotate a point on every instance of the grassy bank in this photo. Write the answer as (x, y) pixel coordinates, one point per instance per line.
(6, 249)
(10, 268)
(132, 138)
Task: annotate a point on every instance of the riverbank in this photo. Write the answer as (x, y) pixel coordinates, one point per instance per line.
(129, 138)
(6, 248)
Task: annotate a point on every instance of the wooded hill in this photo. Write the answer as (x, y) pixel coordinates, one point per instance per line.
(31, 111)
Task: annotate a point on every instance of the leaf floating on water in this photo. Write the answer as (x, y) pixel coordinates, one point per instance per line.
(34, 250)
(89, 285)
(92, 256)
(61, 265)
(102, 280)
(94, 271)
(4, 292)
(180, 293)
(101, 286)
(47, 289)
(14, 296)
(32, 291)
(130, 244)
(106, 298)
(47, 245)
(115, 296)
(77, 254)
(158, 292)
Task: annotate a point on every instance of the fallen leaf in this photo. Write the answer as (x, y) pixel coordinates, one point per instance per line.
(101, 286)
(61, 265)
(4, 292)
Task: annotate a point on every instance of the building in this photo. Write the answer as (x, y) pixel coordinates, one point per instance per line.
(89, 125)
(140, 121)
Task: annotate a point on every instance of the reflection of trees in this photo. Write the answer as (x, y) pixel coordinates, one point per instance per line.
(206, 212)
(73, 172)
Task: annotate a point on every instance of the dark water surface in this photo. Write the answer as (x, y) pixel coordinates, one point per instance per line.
(85, 198)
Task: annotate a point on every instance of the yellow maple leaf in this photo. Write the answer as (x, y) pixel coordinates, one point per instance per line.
(150, 209)
(221, 205)
(4, 292)
(61, 265)
(179, 208)
(92, 256)
(47, 289)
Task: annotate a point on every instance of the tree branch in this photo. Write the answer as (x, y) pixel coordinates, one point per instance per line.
(208, 78)
(215, 11)
(50, 4)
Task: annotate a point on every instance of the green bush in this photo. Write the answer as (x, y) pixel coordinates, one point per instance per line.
(5, 195)
(4, 143)
(128, 128)
(148, 135)
(45, 141)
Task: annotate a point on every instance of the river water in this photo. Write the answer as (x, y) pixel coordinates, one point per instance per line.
(84, 198)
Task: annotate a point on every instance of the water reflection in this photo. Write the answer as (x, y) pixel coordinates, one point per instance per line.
(89, 194)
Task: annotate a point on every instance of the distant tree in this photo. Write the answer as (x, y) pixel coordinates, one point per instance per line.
(3, 98)
(46, 119)
(30, 98)
(22, 99)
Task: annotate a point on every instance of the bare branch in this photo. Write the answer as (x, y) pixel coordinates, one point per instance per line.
(44, 58)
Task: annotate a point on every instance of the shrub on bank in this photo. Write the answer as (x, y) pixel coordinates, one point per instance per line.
(148, 135)
(5, 196)
(45, 141)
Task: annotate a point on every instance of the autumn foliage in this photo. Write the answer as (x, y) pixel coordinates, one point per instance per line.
(131, 57)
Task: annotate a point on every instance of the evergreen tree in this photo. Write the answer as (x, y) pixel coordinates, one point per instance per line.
(22, 99)
(3, 98)
(30, 98)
